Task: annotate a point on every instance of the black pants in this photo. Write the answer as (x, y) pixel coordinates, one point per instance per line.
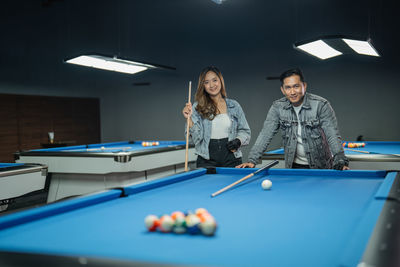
(220, 156)
(300, 166)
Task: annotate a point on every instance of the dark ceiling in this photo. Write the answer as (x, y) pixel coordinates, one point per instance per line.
(37, 35)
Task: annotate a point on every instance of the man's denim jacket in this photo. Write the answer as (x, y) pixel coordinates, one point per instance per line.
(200, 133)
(319, 130)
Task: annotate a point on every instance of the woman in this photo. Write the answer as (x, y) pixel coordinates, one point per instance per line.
(217, 125)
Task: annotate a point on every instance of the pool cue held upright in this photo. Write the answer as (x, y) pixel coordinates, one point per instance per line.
(269, 165)
(187, 131)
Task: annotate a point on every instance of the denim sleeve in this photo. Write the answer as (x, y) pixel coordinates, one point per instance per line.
(330, 127)
(244, 132)
(270, 128)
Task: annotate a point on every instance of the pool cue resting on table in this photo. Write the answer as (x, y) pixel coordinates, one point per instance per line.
(187, 131)
(369, 152)
(102, 148)
(245, 178)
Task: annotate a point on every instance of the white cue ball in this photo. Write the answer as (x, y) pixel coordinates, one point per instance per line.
(266, 184)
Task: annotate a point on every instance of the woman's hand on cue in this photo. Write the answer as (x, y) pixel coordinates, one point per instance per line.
(187, 110)
(187, 113)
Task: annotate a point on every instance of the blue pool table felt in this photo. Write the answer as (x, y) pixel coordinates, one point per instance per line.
(112, 147)
(308, 218)
(8, 165)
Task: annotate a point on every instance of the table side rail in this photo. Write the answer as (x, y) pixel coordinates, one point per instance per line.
(329, 173)
(384, 246)
(352, 157)
(22, 217)
(22, 169)
(374, 156)
(129, 190)
(245, 171)
(130, 154)
(28, 259)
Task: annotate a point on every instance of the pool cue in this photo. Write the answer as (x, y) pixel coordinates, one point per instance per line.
(372, 153)
(110, 148)
(361, 151)
(187, 131)
(245, 178)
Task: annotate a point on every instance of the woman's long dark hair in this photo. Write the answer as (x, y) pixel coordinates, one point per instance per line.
(206, 107)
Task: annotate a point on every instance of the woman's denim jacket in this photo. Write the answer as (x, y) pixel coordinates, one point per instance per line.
(320, 134)
(200, 132)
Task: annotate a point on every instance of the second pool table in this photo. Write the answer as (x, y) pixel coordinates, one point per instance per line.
(382, 156)
(308, 218)
(22, 185)
(82, 169)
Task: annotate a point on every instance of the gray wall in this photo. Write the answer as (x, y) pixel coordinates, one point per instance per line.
(248, 40)
(363, 97)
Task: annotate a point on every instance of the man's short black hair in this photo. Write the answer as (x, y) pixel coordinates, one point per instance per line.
(291, 72)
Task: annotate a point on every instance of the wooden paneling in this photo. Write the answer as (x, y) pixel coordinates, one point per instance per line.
(8, 127)
(26, 121)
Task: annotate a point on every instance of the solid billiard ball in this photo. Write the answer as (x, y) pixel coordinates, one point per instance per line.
(166, 224)
(151, 222)
(266, 184)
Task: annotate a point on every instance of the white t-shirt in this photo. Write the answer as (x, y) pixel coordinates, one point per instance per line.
(300, 157)
(220, 126)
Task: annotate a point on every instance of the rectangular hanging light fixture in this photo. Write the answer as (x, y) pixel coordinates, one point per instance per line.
(362, 47)
(113, 64)
(319, 49)
(329, 46)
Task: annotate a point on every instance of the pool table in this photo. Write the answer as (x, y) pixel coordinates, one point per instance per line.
(383, 156)
(82, 169)
(21, 185)
(307, 218)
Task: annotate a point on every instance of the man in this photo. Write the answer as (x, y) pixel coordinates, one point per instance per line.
(308, 125)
